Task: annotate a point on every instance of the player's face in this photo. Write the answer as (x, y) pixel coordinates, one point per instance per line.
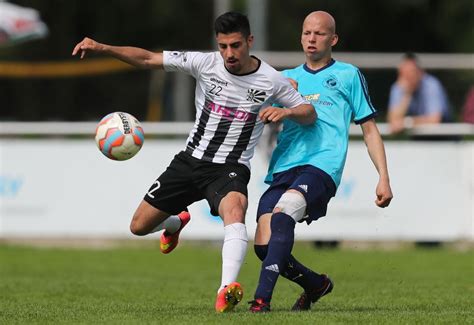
(317, 39)
(234, 48)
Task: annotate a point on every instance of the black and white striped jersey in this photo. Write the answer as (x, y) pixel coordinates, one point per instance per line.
(227, 126)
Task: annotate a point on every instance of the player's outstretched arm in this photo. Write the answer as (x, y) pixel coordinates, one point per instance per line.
(376, 149)
(303, 114)
(135, 56)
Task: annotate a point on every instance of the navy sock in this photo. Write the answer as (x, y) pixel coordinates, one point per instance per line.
(279, 250)
(303, 276)
(294, 271)
(261, 251)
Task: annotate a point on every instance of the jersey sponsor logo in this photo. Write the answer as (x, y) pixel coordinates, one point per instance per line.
(312, 97)
(256, 96)
(230, 113)
(330, 82)
(324, 103)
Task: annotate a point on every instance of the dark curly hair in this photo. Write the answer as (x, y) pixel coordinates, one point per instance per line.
(232, 22)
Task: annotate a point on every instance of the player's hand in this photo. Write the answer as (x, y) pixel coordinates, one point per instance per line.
(87, 45)
(273, 114)
(383, 193)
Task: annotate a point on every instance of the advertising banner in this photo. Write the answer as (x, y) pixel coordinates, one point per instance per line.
(67, 188)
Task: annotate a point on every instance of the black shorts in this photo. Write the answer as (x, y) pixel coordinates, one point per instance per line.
(316, 186)
(188, 179)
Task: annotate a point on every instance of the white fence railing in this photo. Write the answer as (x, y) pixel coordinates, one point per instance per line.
(183, 128)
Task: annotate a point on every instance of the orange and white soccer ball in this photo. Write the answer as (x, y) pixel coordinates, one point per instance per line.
(119, 136)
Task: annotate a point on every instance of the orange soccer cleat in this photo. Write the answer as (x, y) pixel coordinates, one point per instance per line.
(168, 242)
(228, 297)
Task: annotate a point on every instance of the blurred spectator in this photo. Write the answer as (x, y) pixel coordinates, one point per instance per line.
(416, 97)
(468, 107)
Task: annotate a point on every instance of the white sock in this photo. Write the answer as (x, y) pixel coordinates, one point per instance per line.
(233, 252)
(171, 225)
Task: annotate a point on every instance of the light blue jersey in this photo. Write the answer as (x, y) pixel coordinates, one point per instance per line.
(339, 93)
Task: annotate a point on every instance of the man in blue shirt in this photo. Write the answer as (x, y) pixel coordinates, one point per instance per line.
(306, 166)
(416, 97)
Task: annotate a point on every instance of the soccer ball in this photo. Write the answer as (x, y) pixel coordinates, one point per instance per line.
(119, 136)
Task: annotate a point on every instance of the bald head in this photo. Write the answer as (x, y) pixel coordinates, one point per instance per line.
(318, 37)
(321, 18)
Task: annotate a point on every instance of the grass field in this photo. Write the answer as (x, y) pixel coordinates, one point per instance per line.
(129, 284)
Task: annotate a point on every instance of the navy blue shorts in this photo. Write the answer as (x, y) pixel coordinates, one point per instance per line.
(316, 186)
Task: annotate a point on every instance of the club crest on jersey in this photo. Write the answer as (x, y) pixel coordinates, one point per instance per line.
(256, 96)
(330, 82)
